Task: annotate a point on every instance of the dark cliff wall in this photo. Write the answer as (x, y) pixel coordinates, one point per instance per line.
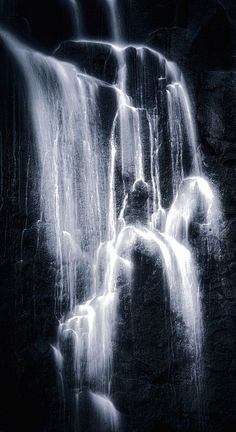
(200, 37)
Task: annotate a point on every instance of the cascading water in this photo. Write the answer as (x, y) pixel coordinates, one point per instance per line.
(114, 20)
(94, 211)
(76, 12)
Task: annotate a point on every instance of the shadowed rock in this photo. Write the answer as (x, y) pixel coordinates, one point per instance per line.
(136, 211)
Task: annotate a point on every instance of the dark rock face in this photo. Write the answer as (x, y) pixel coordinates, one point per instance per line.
(152, 386)
(215, 101)
(210, 50)
(151, 382)
(45, 23)
(97, 60)
(136, 206)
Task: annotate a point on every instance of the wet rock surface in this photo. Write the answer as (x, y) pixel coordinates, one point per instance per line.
(136, 207)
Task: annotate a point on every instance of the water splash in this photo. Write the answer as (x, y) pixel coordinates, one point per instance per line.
(194, 202)
(108, 416)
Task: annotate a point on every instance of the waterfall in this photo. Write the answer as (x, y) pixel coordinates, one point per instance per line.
(76, 12)
(114, 20)
(94, 212)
